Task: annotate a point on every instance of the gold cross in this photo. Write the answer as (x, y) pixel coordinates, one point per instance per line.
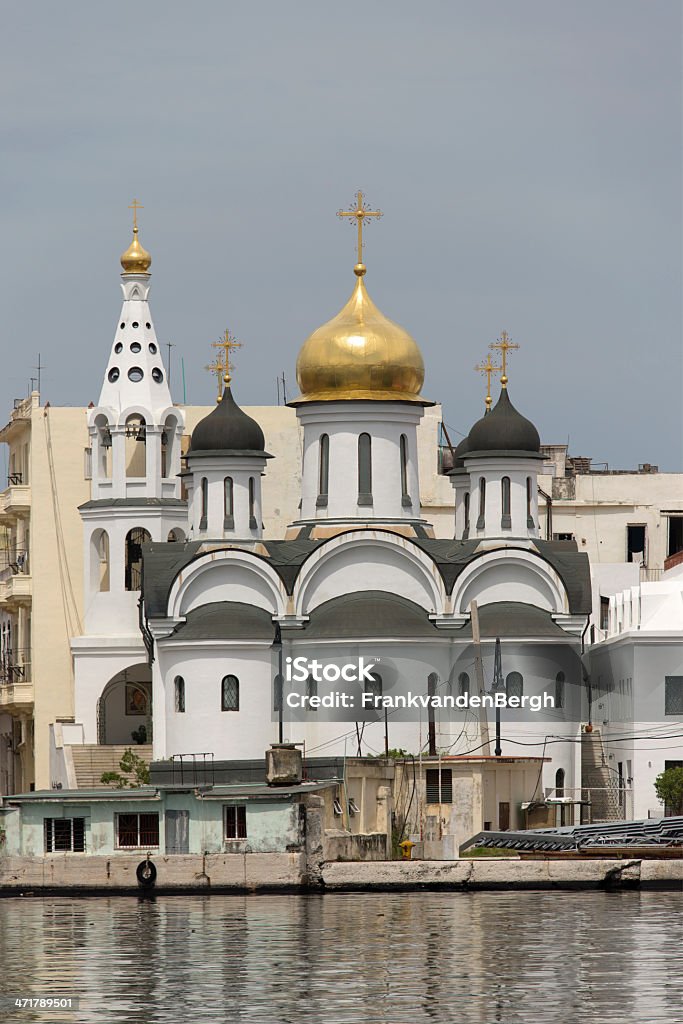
(488, 368)
(228, 343)
(135, 206)
(217, 367)
(361, 213)
(504, 345)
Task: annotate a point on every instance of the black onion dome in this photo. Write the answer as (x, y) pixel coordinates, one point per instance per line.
(503, 429)
(227, 430)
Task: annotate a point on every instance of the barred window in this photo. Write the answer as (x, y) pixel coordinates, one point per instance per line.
(230, 694)
(64, 835)
(179, 685)
(373, 685)
(439, 794)
(135, 831)
(514, 685)
(673, 695)
(236, 822)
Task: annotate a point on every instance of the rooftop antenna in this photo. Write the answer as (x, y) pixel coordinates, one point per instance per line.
(169, 346)
(282, 382)
(39, 367)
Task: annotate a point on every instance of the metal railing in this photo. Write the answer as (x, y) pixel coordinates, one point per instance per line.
(15, 559)
(15, 666)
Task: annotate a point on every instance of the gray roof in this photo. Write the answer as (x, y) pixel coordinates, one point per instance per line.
(135, 503)
(369, 613)
(226, 620)
(510, 619)
(162, 563)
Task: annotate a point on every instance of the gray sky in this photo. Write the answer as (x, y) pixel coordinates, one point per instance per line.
(526, 155)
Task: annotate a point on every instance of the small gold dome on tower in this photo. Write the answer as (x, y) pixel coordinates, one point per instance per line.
(360, 354)
(135, 259)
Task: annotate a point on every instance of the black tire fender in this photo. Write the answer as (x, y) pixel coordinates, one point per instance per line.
(146, 874)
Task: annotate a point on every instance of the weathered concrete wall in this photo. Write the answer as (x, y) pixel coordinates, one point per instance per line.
(504, 873)
(343, 846)
(74, 872)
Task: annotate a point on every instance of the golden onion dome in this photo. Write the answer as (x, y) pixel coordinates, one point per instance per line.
(360, 354)
(135, 259)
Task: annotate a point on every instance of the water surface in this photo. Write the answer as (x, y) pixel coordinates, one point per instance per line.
(405, 958)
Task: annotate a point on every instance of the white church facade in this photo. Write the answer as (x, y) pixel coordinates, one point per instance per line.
(192, 612)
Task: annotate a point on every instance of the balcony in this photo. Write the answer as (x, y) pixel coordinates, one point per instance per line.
(16, 685)
(15, 500)
(15, 588)
(16, 696)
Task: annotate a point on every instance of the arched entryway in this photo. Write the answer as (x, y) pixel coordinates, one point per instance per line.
(124, 710)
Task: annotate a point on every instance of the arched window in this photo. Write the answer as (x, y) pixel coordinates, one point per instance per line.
(364, 470)
(204, 498)
(103, 444)
(135, 538)
(252, 503)
(175, 536)
(559, 782)
(464, 684)
(323, 470)
(99, 554)
(529, 503)
(559, 690)
(405, 496)
(466, 502)
(311, 691)
(514, 685)
(136, 446)
(373, 685)
(482, 503)
(228, 504)
(179, 690)
(230, 693)
(506, 521)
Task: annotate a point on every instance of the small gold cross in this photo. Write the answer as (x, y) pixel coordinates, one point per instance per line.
(135, 206)
(504, 345)
(488, 368)
(361, 213)
(217, 367)
(228, 342)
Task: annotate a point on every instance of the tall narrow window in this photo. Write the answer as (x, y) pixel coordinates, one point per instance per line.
(323, 470)
(364, 470)
(506, 521)
(373, 685)
(466, 503)
(559, 690)
(228, 504)
(230, 694)
(464, 684)
(252, 503)
(135, 538)
(236, 822)
(529, 503)
(482, 503)
(405, 496)
(179, 686)
(204, 497)
(514, 685)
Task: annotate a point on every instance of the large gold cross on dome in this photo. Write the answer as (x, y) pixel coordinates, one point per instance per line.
(228, 342)
(217, 367)
(504, 345)
(488, 368)
(361, 213)
(135, 206)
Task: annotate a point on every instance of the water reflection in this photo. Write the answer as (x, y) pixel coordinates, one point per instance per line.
(473, 958)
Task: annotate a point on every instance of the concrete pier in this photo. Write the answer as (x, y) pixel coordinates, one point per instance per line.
(70, 873)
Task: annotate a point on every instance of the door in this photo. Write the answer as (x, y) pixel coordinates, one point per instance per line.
(503, 816)
(177, 831)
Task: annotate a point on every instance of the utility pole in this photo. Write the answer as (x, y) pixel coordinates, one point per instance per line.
(479, 675)
(169, 346)
(498, 687)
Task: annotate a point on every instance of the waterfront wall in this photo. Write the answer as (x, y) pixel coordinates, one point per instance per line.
(289, 871)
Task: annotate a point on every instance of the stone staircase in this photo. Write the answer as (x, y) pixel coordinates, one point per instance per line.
(597, 778)
(90, 760)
